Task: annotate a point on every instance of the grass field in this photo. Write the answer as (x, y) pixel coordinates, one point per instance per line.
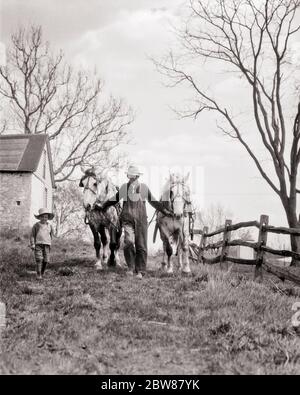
(81, 321)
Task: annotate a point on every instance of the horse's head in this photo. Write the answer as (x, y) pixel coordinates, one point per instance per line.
(89, 184)
(179, 193)
(105, 188)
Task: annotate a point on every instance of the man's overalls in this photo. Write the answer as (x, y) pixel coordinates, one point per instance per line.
(134, 222)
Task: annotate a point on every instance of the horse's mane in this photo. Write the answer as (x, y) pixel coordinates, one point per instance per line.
(173, 177)
(112, 188)
(87, 173)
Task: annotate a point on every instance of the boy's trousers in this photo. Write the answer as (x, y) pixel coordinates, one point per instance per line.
(42, 257)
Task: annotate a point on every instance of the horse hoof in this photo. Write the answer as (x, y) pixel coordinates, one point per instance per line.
(98, 266)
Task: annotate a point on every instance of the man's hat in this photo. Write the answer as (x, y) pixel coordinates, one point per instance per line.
(44, 211)
(133, 171)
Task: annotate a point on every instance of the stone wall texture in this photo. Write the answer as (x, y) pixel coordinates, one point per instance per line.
(15, 200)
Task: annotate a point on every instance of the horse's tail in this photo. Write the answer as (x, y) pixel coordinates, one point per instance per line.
(155, 232)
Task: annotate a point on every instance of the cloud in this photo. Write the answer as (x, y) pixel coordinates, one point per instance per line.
(116, 37)
(185, 149)
(69, 19)
(126, 41)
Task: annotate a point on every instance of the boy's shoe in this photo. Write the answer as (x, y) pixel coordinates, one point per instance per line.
(139, 276)
(44, 267)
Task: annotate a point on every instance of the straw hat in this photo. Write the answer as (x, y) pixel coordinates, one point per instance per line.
(44, 211)
(133, 171)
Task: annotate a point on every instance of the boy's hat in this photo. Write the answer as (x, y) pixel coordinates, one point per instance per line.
(44, 211)
(133, 171)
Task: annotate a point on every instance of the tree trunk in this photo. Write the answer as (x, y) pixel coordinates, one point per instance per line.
(295, 240)
(57, 228)
(295, 244)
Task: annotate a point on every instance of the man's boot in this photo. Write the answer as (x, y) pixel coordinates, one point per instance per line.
(39, 270)
(44, 267)
(129, 254)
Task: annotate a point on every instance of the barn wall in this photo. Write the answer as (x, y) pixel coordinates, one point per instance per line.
(44, 162)
(39, 170)
(14, 188)
(41, 181)
(37, 197)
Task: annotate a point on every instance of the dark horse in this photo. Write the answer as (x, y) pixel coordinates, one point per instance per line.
(105, 226)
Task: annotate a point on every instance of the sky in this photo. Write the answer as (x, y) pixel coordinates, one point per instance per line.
(117, 38)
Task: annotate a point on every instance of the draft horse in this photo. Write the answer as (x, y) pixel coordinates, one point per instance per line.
(105, 226)
(174, 231)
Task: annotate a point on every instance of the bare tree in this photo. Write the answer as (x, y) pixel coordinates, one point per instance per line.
(69, 212)
(214, 218)
(252, 38)
(3, 122)
(45, 95)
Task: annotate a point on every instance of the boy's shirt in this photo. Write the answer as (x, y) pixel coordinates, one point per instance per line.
(41, 234)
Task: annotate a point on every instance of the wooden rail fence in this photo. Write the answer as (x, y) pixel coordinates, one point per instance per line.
(260, 247)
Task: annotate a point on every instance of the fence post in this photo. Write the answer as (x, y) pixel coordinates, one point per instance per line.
(2, 321)
(225, 247)
(202, 245)
(262, 241)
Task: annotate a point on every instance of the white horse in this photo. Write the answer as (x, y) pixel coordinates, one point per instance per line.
(105, 226)
(174, 231)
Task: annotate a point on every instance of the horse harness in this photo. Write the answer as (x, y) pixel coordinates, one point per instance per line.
(174, 196)
(187, 202)
(87, 186)
(88, 176)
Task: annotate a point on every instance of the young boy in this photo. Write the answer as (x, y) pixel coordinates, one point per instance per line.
(40, 240)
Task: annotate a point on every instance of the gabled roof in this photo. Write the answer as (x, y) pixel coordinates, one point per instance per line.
(22, 152)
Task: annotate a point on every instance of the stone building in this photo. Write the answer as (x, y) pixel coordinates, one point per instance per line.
(26, 179)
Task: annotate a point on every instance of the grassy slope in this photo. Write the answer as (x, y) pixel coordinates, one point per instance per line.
(107, 323)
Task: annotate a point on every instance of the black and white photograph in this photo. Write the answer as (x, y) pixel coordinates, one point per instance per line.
(149, 191)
